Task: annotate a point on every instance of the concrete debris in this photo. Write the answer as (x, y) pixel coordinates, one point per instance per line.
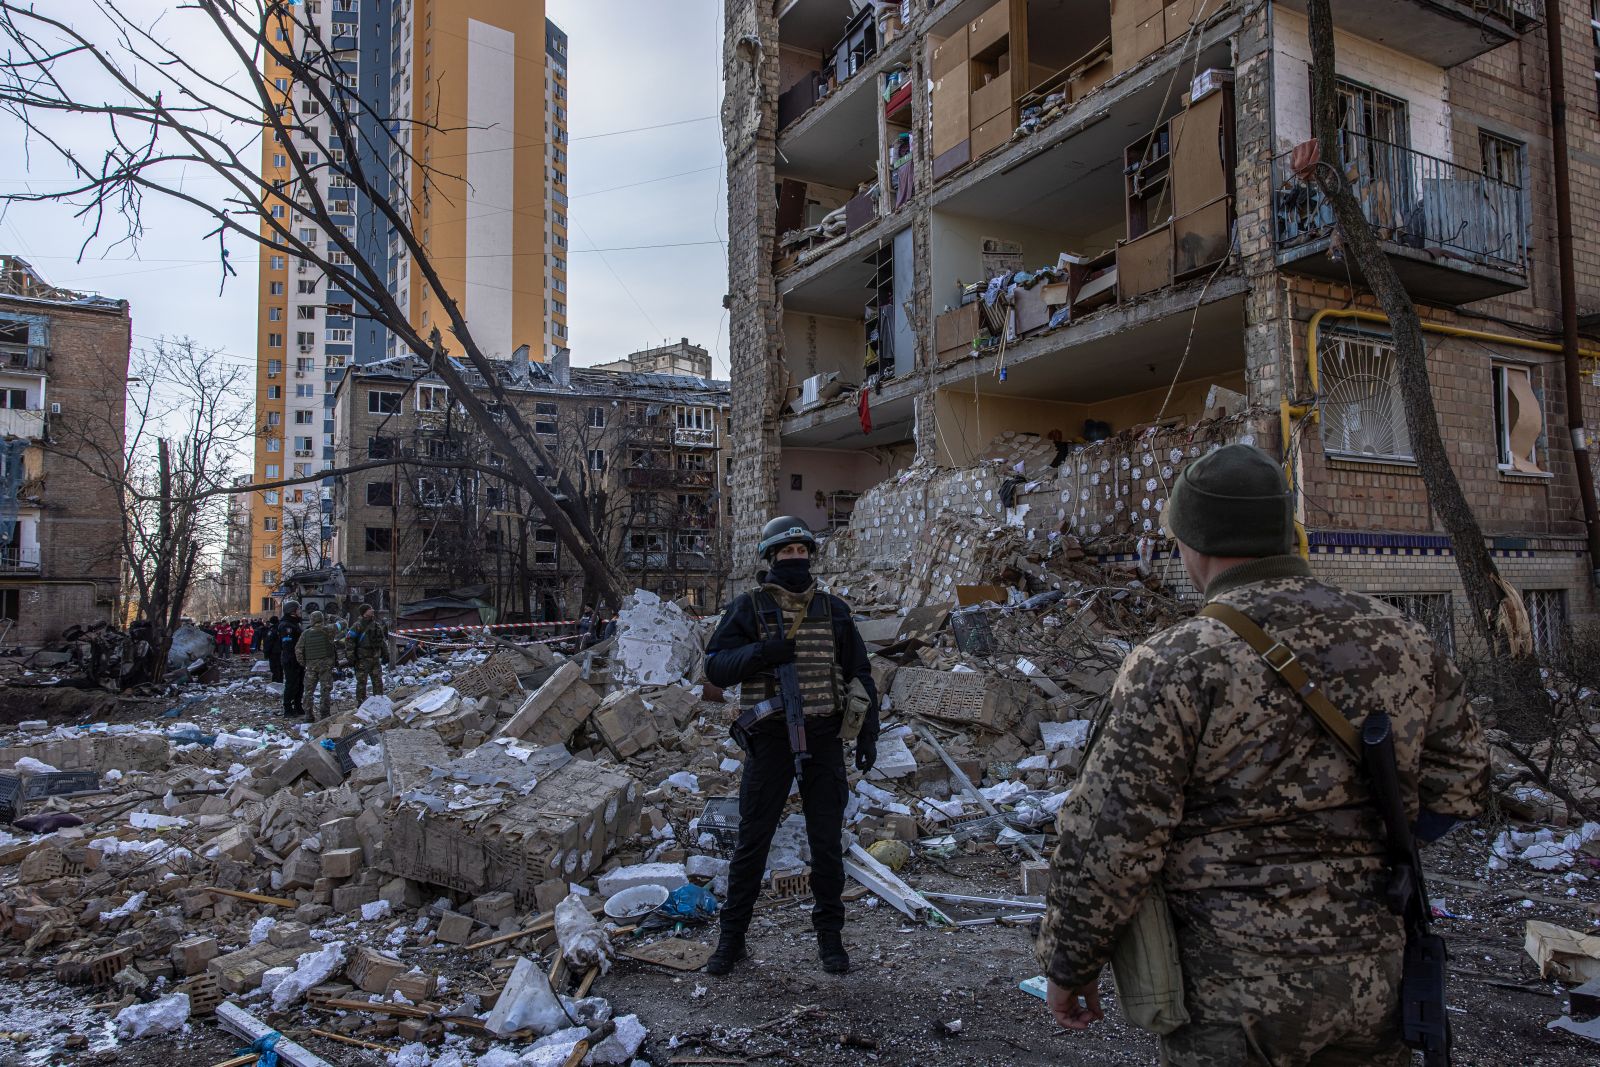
(657, 642)
(161, 1016)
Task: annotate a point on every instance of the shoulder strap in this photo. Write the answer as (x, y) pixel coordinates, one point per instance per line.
(1287, 666)
(765, 601)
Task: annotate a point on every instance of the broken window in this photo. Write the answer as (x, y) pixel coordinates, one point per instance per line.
(380, 494)
(383, 403)
(1435, 611)
(433, 398)
(597, 417)
(379, 539)
(1547, 618)
(1362, 416)
(545, 419)
(597, 459)
(1518, 422)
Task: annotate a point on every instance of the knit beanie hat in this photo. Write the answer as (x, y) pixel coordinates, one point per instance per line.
(1232, 502)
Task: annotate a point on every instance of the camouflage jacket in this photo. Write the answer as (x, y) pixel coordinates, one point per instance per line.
(365, 641)
(1211, 776)
(318, 644)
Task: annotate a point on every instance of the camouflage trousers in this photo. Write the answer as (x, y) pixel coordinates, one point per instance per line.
(368, 670)
(319, 685)
(1280, 1011)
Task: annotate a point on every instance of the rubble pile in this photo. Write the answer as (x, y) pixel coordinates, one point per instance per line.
(918, 535)
(383, 875)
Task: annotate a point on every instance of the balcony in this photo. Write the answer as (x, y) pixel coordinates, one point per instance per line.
(19, 422)
(642, 433)
(686, 437)
(651, 478)
(1455, 235)
(1442, 32)
(15, 558)
(21, 357)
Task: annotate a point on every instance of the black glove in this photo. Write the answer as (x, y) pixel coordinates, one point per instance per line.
(866, 754)
(776, 651)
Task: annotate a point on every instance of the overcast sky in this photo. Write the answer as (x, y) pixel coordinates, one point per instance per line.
(632, 64)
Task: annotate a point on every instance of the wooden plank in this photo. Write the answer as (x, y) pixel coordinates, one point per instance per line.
(241, 1023)
(254, 898)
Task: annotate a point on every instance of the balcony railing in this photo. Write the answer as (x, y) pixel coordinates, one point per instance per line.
(1417, 202)
(19, 422)
(692, 438)
(21, 357)
(17, 558)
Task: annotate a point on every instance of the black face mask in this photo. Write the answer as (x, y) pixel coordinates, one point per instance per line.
(793, 574)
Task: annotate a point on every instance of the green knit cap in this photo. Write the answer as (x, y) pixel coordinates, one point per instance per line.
(1232, 502)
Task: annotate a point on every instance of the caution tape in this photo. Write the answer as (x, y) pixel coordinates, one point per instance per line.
(482, 628)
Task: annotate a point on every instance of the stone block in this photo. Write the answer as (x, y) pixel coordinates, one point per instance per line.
(553, 713)
(494, 908)
(339, 833)
(191, 957)
(341, 862)
(1035, 879)
(235, 843)
(547, 895)
(309, 759)
(455, 928)
(415, 987)
(371, 971)
(347, 898)
(289, 934)
(669, 875)
(625, 723)
(300, 870)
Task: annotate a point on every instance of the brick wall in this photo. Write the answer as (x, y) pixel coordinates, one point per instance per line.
(79, 513)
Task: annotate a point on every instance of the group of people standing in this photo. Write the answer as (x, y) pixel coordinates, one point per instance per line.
(237, 637)
(304, 654)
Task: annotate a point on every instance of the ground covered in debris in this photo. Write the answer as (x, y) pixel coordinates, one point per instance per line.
(424, 880)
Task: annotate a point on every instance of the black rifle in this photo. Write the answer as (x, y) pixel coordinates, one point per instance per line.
(788, 677)
(1424, 1020)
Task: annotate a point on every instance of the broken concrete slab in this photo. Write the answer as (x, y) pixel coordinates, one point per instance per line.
(625, 723)
(556, 710)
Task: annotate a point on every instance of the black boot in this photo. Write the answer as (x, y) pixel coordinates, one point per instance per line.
(830, 946)
(730, 950)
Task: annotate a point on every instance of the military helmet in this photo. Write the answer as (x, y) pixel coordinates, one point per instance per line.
(291, 607)
(784, 530)
(317, 618)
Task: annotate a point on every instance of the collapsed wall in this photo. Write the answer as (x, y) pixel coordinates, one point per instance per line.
(915, 537)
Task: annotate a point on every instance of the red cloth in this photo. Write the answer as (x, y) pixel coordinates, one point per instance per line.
(864, 407)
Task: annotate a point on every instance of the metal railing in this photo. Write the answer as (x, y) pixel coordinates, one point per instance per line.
(1413, 199)
(17, 558)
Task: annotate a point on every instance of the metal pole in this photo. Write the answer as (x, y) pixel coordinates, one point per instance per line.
(1569, 287)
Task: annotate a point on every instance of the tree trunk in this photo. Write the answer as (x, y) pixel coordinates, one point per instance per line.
(1479, 576)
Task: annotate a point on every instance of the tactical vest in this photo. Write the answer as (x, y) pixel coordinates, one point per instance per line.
(318, 644)
(816, 655)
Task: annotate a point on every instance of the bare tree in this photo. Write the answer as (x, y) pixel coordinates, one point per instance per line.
(167, 116)
(185, 433)
(1486, 592)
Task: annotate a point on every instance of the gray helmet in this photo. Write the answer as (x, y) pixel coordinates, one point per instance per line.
(784, 530)
(291, 607)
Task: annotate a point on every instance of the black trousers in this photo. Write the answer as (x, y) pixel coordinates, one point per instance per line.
(294, 687)
(277, 668)
(768, 770)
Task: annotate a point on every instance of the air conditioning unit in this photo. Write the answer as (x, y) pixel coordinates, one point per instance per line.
(305, 349)
(299, 374)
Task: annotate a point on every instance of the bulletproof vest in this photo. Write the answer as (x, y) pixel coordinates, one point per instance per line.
(319, 643)
(816, 655)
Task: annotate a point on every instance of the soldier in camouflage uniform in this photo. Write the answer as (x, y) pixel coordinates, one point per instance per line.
(1211, 780)
(366, 640)
(318, 652)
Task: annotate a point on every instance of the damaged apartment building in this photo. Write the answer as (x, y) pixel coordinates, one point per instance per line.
(63, 385)
(969, 234)
(643, 442)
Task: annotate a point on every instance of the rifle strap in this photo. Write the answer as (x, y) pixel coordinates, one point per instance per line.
(1287, 666)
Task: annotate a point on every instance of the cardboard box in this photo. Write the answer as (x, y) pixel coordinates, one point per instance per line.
(990, 100)
(1144, 264)
(948, 55)
(951, 160)
(994, 133)
(954, 330)
(1131, 42)
(1199, 167)
(1032, 310)
(990, 31)
(1202, 238)
(952, 110)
